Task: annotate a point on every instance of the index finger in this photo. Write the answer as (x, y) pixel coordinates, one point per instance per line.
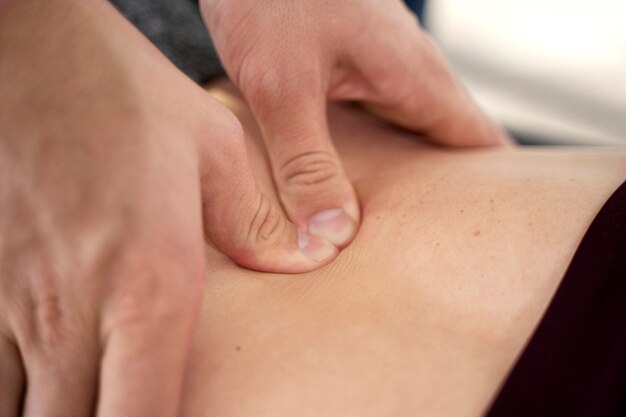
(431, 100)
(147, 343)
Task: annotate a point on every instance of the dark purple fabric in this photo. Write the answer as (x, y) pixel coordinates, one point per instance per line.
(575, 363)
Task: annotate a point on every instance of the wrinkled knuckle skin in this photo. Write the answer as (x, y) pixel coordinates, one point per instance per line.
(152, 296)
(148, 283)
(309, 169)
(39, 321)
(49, 315)
(263, 89)
(268, 225)
(273, 91)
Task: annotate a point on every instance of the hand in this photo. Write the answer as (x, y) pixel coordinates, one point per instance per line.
(111, 164)
(288, 57)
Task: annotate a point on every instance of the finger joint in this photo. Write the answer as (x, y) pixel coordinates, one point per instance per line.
(309, 169)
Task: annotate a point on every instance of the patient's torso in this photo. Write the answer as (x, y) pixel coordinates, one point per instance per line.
(456, 259)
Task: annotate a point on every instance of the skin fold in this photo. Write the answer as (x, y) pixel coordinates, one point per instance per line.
(458, 255)
(115, 169)
(285, 55)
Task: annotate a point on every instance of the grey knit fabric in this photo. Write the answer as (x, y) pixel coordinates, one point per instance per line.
(177, 29)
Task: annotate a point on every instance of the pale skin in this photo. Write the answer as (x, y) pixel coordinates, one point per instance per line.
(289, 57)
(115, 170)
(456, 259)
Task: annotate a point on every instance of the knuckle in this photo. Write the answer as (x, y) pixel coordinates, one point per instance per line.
(154, 274)
(151, 298)
(266, 230)
(261, 87)
(40, 321)
(265, 89)
(229, 139)
(148, 286)
(221, 122)
(268, 225)
(272, 91)
(309, 169)
(230, 126)
(49, 316)
(45, 323)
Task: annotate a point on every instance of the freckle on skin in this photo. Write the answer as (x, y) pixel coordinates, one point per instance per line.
(462, 210)
(238, 348)
(477, 232)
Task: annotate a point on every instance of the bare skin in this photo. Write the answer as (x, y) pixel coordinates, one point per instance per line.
(457, 257)
(108, 190)
(289, 57)
(115, 170)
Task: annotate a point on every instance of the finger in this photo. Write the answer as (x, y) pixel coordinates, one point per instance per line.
(11, 379)
(62, 377)
(147, 331)
(313, 187)
(425, 96)
(246, 225)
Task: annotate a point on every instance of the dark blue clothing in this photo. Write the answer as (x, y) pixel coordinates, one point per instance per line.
(177, 29)
(418, 7)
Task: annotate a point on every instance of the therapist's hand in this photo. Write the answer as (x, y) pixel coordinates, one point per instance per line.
(289, 56)
(112, 163)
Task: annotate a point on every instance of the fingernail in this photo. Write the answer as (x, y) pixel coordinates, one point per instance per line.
(315, 247)
(334, 224)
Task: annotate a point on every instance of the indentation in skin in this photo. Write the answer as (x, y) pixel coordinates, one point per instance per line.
(416, 296)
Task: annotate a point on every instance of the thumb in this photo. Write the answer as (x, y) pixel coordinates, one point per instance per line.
(245, 224)
(313, 187)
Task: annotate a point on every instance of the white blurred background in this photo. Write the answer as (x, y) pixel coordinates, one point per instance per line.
(552, 71)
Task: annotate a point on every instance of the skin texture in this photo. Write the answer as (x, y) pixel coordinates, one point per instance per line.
(457, 257)
(112, 163)
(288, 57)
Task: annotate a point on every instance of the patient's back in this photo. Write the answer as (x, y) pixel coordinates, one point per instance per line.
(456, 259)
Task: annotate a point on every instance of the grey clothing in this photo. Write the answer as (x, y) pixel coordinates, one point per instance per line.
(177, 29)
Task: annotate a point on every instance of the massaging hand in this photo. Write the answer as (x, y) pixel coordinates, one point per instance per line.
(111, 162)
(288, 57)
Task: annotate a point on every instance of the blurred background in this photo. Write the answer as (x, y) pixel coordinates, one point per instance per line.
(551, 71)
